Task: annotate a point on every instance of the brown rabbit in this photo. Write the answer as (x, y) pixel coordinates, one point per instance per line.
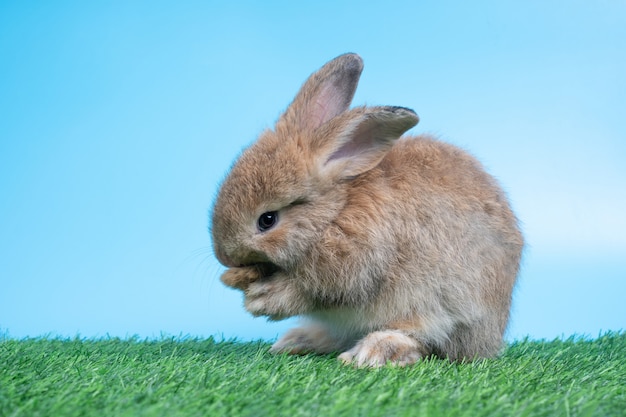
(391, 249)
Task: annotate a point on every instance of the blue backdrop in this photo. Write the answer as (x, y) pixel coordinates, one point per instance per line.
(119, 119)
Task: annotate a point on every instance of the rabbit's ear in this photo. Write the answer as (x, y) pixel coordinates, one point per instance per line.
(362, 139)
(326, 94)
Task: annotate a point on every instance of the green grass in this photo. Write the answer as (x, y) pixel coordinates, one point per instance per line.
(171, 377)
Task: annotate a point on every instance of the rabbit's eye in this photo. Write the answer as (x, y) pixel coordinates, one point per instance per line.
(267, 220)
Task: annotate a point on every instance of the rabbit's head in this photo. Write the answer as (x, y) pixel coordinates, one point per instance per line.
(291, 183)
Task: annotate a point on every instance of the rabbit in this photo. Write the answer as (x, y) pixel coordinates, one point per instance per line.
(390, 248)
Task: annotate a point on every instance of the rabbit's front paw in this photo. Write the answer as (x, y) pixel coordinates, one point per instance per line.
(273, 298)
(384, 347)
(241, 277)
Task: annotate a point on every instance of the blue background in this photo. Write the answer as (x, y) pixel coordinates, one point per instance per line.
(118, 121)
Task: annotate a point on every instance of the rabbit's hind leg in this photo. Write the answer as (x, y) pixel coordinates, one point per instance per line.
(308, 338)
(380, 348)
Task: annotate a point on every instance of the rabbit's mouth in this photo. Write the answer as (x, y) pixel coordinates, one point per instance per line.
(266, 269)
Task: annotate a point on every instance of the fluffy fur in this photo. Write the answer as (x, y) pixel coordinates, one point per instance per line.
(391, 248)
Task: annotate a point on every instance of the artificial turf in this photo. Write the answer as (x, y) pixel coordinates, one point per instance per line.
(193, 377)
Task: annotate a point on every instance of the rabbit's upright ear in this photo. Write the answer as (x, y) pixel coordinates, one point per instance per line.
(358, 140)
(326, 94)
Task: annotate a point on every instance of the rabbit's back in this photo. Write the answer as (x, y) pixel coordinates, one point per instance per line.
(445, 239)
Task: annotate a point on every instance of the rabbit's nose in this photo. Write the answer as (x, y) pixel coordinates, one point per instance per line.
(239, 257)
(224, 259)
